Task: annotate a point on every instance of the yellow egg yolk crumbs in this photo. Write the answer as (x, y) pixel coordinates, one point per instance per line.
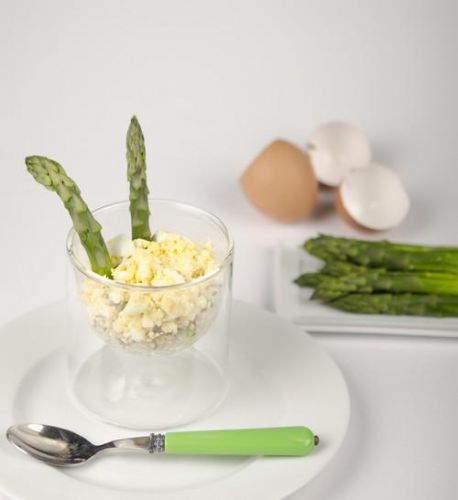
(155, 320)
(169, 260)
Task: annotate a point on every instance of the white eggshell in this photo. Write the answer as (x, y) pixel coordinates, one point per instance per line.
(335, 149)
(375, 197)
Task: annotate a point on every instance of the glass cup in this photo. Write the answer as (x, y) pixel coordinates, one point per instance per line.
(150, 357)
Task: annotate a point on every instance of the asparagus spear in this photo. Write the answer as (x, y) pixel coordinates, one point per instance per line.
(53, 177)
(312, 280)
(393, 256)
(405, 304)
(326, 283)
(338, 268)
(386, 281)
(136, 175)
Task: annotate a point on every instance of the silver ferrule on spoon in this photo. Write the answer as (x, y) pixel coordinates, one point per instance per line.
(157, 443)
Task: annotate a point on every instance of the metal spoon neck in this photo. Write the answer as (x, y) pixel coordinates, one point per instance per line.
(153, 443)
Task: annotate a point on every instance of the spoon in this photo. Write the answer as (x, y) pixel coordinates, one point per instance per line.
(61, 447)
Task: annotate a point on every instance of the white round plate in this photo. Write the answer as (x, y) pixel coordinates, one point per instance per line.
(280, 376)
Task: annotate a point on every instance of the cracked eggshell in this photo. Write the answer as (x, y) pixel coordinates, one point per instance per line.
(280, 182)
(373, 198)
(335, 149)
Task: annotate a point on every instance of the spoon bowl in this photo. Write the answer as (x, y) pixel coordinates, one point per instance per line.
(53, 445)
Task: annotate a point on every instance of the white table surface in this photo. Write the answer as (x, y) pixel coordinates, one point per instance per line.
(212, 82)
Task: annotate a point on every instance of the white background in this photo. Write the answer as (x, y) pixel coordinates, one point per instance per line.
(212, 83)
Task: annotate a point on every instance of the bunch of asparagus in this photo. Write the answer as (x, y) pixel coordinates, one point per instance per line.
(52, 175)
(379, 277)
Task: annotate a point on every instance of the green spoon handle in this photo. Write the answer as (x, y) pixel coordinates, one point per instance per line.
(288, 441)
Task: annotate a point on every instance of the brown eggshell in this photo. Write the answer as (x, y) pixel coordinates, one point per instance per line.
(343, 213)
(280, 182)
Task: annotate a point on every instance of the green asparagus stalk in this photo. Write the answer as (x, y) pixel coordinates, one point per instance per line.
(328, 273)
(386, 281)
(312, 280)
(52, 175)
(338, 268)
(403, 304)
(136, 175)
(392, 256)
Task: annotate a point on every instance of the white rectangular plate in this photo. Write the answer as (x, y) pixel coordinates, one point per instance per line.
(292, 302)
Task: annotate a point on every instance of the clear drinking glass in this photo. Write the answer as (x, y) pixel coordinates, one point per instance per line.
(150, 357)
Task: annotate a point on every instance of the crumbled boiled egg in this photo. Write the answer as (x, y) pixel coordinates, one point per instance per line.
(170, 259)
(154, 320)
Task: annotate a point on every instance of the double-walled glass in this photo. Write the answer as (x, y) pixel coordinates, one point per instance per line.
(150, 357)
